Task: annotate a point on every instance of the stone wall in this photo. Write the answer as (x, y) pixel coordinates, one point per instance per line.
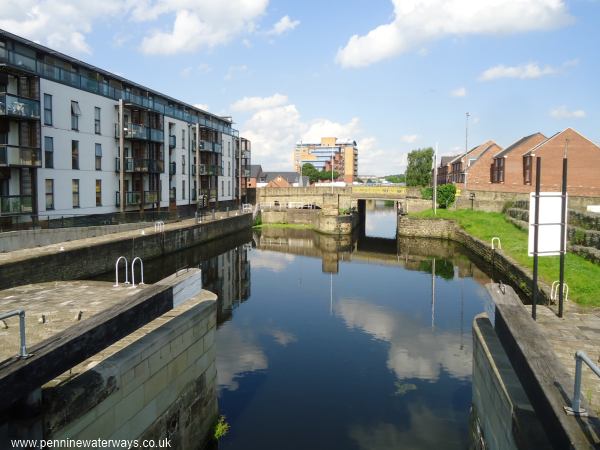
(159, 382)
(94, 259)
(16, 240)
(323, 221)
(502, 266)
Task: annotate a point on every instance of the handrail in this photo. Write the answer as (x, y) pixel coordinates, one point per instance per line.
(494, 239)
(21, 313)
(554, 291)
(117, 271)
(575, 409)
(159, 226)
(137, 258)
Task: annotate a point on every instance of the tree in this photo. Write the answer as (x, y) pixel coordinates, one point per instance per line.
(325, 175)
(418, 171)
(310, 171)
(446, 193)
(400, 178)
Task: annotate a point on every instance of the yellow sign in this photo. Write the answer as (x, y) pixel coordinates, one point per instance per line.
(457, 192)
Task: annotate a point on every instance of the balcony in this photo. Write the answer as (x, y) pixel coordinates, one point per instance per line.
(16, 155)
(19, 107)
(16, 204)
(140, 165)
(131, 198)
(246, 154)
(151, 197)
(141, 133)
(172, 141)
(172, 168)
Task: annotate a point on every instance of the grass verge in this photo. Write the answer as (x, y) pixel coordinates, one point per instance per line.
(582, 276)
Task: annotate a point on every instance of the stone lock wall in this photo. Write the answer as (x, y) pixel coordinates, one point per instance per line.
(160, 384)
(90, 260)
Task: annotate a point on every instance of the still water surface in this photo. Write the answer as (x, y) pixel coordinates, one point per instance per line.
(374, 356)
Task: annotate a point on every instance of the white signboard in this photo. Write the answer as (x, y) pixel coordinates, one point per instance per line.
(549, 223)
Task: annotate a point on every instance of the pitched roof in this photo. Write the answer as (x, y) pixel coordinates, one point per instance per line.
(513, 146)
(255, 170)
(532, 150)
(447, 159)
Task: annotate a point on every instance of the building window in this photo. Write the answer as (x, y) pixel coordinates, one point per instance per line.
(98, 192)
(183, 164)
(75, 113)
(182, 138)
(97, 120)
(47, 109)
(228, 148)
(222, 187)
(75, 189)
(228, 168)
(527, 169)
(49, 194)
(75, 155)
(183, 189)
(49, 151)
(98, 156)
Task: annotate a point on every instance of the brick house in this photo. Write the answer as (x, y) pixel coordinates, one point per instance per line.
(472, 169)
(506, 171)
(584, 164)
(443, 170)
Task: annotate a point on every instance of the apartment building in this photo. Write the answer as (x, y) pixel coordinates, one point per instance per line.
(341, 156)
(63, 124)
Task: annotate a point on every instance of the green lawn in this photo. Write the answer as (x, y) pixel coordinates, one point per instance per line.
(582, 276)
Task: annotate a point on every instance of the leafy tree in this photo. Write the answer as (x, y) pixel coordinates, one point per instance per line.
(418, 171)
(400, 178)
(326, 175)
(310, 171)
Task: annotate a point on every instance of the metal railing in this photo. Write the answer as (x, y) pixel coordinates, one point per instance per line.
(172, 141)
(119, 259)
(287, 205)
(137, 258)
(19, 155)
(159, 226)
(555, 289)
(494, 240)
(21, 313)
(140, 165)
(575, 409)
(142, 132)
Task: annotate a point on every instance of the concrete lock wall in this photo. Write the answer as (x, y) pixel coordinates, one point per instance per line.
(91, 260)
(317, 219)
(163, 385)
(17, 240)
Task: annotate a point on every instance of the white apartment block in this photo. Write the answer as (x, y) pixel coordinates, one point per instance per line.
(62, 123)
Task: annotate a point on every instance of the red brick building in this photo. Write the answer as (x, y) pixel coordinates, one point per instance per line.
(507, 167)
(471, 170)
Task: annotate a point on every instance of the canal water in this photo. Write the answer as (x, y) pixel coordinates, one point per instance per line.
(351, 343)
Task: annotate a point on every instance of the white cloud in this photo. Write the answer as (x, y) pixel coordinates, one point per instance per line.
(562, 112)
(234, 71)
(251, 103)
(60, 24)
(417, 22)
(198, 23)
(459, 92)
(275, 127)
(409, 138)
(523, 72)
(284, 24)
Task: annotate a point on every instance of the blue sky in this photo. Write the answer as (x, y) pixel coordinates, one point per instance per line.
(393, 75)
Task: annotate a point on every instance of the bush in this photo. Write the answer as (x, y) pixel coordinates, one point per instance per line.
(446, 193)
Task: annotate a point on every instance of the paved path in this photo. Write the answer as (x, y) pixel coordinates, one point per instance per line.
(53, 307)
(579, 329)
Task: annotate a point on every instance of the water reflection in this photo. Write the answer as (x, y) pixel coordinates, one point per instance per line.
(335, 347)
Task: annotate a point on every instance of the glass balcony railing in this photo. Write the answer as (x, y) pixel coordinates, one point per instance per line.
(172, 141)
(140, 165)
(16, 204)
(94, 85)
(141, 132)
(151, 197)
(246, 154)
(131, 198)
(16, 155)
(21, 107)
(172, 168)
